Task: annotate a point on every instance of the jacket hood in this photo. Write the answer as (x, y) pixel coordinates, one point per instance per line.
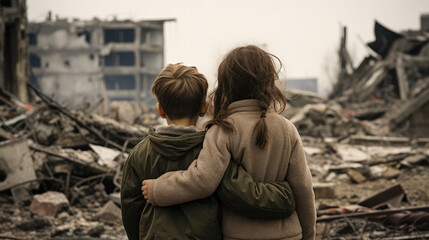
(175, 147)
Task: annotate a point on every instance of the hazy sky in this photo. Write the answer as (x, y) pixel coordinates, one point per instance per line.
(303, 34)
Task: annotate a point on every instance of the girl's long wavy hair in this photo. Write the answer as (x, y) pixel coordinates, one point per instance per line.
(247, 73)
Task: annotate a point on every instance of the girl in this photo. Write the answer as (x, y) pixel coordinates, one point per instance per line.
(246, 126)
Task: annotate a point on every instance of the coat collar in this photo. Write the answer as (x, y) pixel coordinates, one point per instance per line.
(248, 105)
(176, 130)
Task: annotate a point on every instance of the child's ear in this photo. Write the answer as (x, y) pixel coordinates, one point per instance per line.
(160, 111)
(204, 109)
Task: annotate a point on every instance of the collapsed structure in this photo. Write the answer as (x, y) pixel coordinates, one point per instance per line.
(393, 85)
(372, 131)
(386, 95)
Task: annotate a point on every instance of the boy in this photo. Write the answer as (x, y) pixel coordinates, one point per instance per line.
(181, 92)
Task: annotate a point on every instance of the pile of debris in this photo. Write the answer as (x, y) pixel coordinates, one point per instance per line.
(386, 95)
(370, 134)
(348, 171)
(387, 219)
(60, 170)
(392, 85)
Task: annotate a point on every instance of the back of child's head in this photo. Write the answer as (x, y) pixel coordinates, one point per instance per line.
(247, 73)
(181, 91)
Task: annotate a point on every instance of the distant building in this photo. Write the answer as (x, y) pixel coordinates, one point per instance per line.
(424, 22)
(13, 48)
(303, 84)
(80, 62)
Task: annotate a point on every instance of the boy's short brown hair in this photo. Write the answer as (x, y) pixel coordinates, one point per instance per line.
(181, 90)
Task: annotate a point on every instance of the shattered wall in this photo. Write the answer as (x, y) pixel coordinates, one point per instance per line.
(13, 47)
(64, 60)
(80, 63)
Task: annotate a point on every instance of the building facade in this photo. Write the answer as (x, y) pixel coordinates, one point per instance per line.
(81, 63)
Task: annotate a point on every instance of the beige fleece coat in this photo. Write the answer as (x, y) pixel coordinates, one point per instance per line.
(282, 158)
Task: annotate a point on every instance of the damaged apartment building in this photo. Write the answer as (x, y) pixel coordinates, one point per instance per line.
(13, 48)
(88, 64)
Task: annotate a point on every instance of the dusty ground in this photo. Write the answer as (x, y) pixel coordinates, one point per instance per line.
(414, 181)
(74, 223)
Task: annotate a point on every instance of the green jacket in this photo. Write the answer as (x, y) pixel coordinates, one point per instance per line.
(160, 153)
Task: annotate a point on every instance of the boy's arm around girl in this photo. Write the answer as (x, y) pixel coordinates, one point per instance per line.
(203, 176)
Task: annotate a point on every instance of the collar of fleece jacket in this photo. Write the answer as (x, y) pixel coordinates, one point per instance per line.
(248, 105)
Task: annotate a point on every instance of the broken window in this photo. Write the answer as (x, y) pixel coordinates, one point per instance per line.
(151, 60)
(119, 59)
(86, 34)
(35, 60)
(120, 82)
(152, 37)
(124, 35)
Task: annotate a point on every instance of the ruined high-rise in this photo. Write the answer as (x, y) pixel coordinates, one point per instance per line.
(79, 63)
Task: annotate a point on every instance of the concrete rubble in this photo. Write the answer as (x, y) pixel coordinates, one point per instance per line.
(109, 213)
(60, 168)
(16, 165)
(48, 203)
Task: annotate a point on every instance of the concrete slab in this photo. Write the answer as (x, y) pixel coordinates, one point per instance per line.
(16, 165)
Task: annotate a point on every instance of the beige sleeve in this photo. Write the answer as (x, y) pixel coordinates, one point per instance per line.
(300, 179)
(202, 177)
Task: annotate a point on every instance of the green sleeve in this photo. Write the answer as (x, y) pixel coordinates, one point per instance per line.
(132, 200)
(240, 192)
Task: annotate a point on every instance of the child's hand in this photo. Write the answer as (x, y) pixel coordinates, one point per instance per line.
(145, 189)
